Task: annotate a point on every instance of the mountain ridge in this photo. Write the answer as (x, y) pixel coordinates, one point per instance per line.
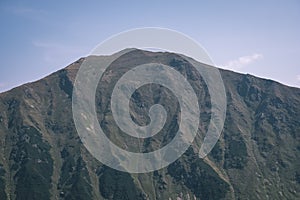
(221, 69)
(261, 135)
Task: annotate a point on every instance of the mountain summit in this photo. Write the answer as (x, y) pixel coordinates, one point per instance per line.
(256, 157)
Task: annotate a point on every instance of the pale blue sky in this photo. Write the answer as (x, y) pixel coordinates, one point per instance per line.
(259, 37)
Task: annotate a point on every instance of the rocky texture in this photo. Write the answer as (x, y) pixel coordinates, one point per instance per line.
(257, 156)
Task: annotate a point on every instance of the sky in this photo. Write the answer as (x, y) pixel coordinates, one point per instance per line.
(259, 37)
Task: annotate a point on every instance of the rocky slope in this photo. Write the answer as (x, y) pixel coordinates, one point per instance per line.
(257, 156)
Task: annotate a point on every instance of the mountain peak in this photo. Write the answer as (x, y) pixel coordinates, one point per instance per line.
(43, 157)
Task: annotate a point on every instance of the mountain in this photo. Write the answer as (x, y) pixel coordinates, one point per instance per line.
(256, 157)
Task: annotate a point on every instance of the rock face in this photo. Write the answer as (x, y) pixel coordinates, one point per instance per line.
(257, 156)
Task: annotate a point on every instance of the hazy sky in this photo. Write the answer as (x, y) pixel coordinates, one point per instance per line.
(259, 37)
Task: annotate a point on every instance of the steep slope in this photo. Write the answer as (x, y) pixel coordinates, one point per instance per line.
(257, 156)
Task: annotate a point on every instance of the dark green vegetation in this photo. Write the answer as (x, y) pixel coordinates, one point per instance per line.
(257, 156)
(32, 165)
(2, 183)
(198, 176)
(117, 185)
